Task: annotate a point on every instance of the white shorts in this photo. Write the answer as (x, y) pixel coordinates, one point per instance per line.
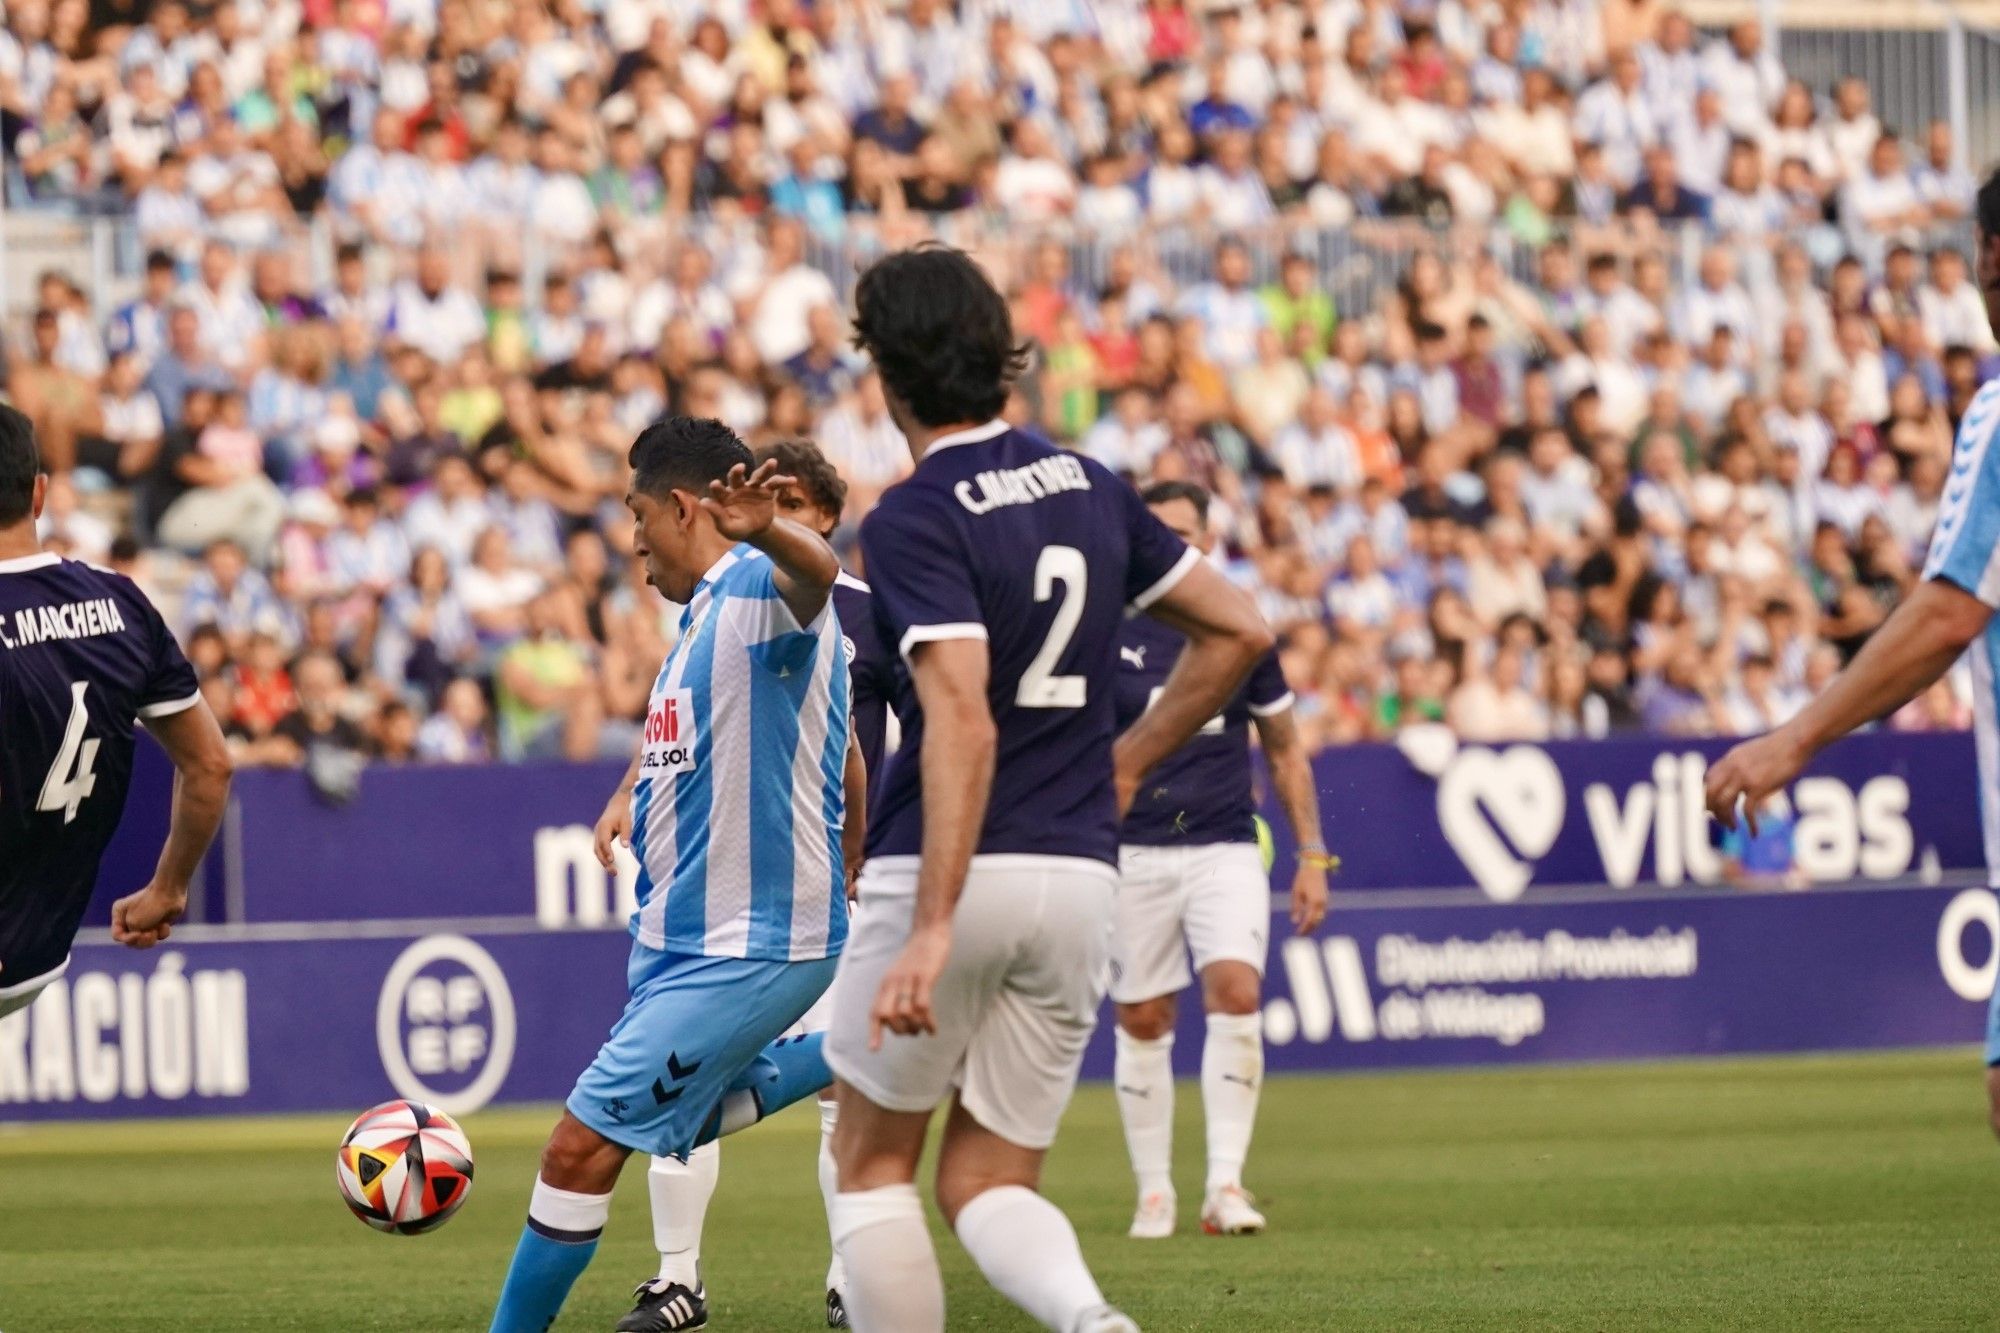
(1015, 1006)
(22, 993)
(1213, 899)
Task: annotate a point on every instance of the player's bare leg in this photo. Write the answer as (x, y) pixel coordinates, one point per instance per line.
(566, 1214)
(1232, 1077)
(1144, 1079)
(987, 1189)
(879, 1233)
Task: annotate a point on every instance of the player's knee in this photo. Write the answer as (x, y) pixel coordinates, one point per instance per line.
(1148, 1020)
(578, 1158)
(1232, 989)
(960, 1186)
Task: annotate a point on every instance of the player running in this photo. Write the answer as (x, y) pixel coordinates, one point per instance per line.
(1001, 570)
(83, 655)
(1949, 611)
(1191, 877)
(733, 808)
(680, 1190)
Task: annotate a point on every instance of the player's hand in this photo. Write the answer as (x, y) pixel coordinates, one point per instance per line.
(141, 920)
(853, 869)
(903, 1001)
(614, 825)
(1308, 898)
(1750, 772)
(745, 505)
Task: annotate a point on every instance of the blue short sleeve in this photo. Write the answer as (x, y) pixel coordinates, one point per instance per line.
(1158, 559)
(771, 634)
(170, 685)
(1267, 692)
(920, 578)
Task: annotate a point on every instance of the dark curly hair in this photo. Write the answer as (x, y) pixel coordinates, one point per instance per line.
(818, 477)
(940, 335)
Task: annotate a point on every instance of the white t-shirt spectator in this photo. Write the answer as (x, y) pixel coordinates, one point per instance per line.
(450, 526)
(1955, 318)
(1365, 603)
(873, 453)
(440, 327)
(778, 322)
(1807, 433)
(659, 302)
(1121, 448)
(1620, 123)
(1233, 202)
(1318, 458)
(1034, 189)
(1230, 321)
(563, 209)
(231, 322)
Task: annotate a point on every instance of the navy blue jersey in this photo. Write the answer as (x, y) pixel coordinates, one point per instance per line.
(82, 654)
(1201, 792)
(871, 677)
(999, 536)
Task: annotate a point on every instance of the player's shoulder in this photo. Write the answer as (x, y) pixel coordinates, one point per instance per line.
(73, 577)
(848, 589)
(1982, 415)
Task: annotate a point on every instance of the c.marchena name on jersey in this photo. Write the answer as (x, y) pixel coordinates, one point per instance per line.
(1022, 485)
(66, 620)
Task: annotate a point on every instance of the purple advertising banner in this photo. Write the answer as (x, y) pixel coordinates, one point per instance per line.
(334, 1018)
(514, 841)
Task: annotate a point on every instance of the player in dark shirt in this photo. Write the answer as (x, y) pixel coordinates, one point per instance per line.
(83, 655)
(1192, 878)
(1002, 569)
(680, 1190)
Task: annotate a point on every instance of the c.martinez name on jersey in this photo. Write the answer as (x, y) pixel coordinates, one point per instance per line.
(1022, 485)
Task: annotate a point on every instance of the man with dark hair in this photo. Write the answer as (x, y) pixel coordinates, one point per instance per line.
(814, 495)
(1191, 879)
(1950, 611)
(83, 655)
(1002, 569)
(736, 932)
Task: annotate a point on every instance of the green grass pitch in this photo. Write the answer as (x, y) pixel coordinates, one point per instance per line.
(1821, 1193)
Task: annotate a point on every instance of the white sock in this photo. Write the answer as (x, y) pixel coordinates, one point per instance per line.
(893, 1284)
(829, 1189)
(1232, 1074)
(567, 1210)
(1144, 1077)
(1028, 1251)
(680, 1192)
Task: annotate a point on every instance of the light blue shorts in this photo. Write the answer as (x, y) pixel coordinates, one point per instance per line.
(693, 1030)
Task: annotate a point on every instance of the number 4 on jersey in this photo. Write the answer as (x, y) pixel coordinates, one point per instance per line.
(71, 777)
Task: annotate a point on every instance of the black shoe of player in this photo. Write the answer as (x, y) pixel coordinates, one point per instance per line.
(836, 1309)
(666, 1307)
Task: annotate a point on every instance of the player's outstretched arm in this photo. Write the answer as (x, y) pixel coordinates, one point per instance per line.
(1226, 635)
(202, 770)
(1912, 649)
(745, 509)
(1292, 780)
(959, 742)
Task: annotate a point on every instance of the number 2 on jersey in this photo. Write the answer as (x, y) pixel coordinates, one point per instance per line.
(1040, 687)
(71, 777)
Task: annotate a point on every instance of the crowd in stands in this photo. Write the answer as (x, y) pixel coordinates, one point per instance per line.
(1644, 424)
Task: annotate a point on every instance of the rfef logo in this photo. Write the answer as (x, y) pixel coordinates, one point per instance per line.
(444, 1024)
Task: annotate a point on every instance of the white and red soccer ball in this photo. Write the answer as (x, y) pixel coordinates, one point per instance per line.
(404, 1167)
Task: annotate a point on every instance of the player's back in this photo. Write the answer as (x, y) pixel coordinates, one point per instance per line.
(1000, 535)
(82, 655)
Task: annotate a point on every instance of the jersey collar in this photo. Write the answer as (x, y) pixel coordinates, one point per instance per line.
(22, 564)
(976, 435)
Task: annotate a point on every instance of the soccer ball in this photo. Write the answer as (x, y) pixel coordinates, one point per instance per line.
(404, 1167)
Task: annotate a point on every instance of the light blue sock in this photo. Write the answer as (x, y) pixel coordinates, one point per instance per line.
(555, 1247)
(789, 1070)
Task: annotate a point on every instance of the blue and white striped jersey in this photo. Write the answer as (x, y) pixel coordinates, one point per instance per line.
(1965, 551)
(736, 816)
